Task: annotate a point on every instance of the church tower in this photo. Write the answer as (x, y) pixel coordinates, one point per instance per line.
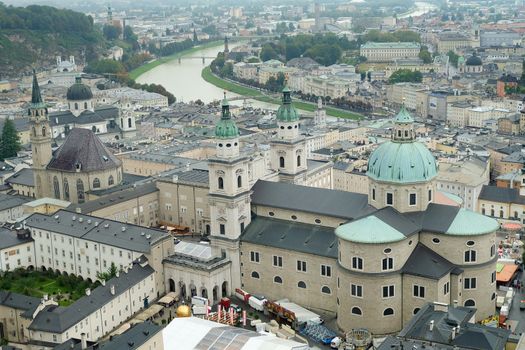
(40, 139)
(288, 151)
(320, 114)
(229, 195)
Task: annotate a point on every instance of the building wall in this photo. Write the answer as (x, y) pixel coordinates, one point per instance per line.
(143, 167)
(22, 255)
(310, 296)
(11, 214)
(304, 217)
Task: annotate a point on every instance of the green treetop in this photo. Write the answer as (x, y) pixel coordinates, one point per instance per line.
(10, 141)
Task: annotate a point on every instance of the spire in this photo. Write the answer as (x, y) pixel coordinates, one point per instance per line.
(287, 98)
(36, 97)
(225, 108)
(403, 116)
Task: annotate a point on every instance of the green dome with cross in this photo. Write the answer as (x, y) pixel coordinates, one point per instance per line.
(226, 127)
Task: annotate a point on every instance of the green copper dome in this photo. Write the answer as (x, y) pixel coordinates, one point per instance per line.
(402, 163)
(226, 127)
(79, 91)
(287, 112)
(403, 116)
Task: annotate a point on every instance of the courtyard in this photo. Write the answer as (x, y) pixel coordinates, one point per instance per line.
(64, 289)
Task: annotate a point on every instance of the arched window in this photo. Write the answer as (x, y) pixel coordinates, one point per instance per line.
(326, 290)
(388, 312)
(239, 181)
(278, 280)
(416, 310)
(66, 189)
(80, 191)
(501, 213)
(298, 160)
(470, 303)
(220, 183)
(94, 128)
(111, 181)
(43, 131)
(255, 274)
(281, 162)
(357, 311)
(491, 212)
(56, 187)
(76, 105)
(301, 284)
(96, 183)
(515, 215)
(85, 105)
(129, 122)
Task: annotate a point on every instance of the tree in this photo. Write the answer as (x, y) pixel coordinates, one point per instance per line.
(129, 35)
(325, 54)
(405, 75)
(425, 55)
(453, 58)
(268, 53)
(109, 274)
(10, 141)
(111, 32)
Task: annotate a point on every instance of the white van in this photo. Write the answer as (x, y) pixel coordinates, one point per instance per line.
(257, 302)
(199, 305)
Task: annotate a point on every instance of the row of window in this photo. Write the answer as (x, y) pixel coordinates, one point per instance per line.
(294, 217)
(412, 197)
(282, 163)
(220, 182)
(80, 187)
(300, 284)
(301, 265)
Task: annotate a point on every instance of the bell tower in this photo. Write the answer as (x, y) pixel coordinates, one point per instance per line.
(229, 195)
(288, 150)
(40, 139)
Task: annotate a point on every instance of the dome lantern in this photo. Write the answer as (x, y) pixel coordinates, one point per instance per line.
(403, 130)
(226, 127)
(287, 112)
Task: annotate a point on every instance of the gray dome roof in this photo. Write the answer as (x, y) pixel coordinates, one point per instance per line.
(474, 61)
(79, 91)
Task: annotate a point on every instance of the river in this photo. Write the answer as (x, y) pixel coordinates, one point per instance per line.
(420, 8)
(184, 79)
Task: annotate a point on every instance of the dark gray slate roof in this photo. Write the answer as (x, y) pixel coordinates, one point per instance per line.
(23, 177)
(501, 194)
(8, 202)
(18, 301)
(114, 198)
(82, 147)
(396, 220)
(471, 335)
(66, 117)
(133, 338)
(305, 238)
(341, 204)
(10, 238)
(57, 319)
(437, 218)
(99, 230)
(424, 262)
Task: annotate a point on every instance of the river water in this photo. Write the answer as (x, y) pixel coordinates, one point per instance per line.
(183, 79)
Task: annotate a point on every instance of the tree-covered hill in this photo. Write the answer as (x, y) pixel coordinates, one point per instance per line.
(35, 35)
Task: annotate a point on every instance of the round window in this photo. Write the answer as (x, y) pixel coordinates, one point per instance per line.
(317, 221)
(289, 128)
(228, 145)
(235, 144)
(435, 240)
(294, 217)
(470, 243)
(387, 251)
(410, 242)
(282, 127)
(271, 213)
(220, 144)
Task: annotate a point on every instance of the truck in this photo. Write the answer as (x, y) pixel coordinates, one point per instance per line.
(199, 305)
(257, 302)
(296, 315)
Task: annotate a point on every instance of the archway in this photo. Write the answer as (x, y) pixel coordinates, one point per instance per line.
(43, 268)
(193, 290)
(225, 289)
(172, 285)
(64, 273)
(182, 287)
(204, 293)
(89, 281)
(215, 294)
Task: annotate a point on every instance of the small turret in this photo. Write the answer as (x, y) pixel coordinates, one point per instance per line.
(227, 132)
(403, 126)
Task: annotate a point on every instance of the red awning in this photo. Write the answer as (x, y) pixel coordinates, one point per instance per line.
(512, 226)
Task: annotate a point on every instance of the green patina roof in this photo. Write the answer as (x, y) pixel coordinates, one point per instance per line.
(369, 230)
(226, 127)
(469, 223)
(403, 116)
(287, 112)
(402, 163)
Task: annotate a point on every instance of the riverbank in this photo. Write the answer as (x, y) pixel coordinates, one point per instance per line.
(137, 72)
(255, 94)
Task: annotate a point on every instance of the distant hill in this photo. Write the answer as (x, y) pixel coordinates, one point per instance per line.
(35, 35)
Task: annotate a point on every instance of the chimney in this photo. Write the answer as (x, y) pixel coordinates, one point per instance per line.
(112, 289)
(83, 341)
(88, 291)
(103, 282)
(117, 274)
(455, 303)
(45, 297)
(431, 325)
(453, 334)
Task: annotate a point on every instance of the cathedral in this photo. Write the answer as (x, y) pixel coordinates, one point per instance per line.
(372, 260)
(81, 164)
